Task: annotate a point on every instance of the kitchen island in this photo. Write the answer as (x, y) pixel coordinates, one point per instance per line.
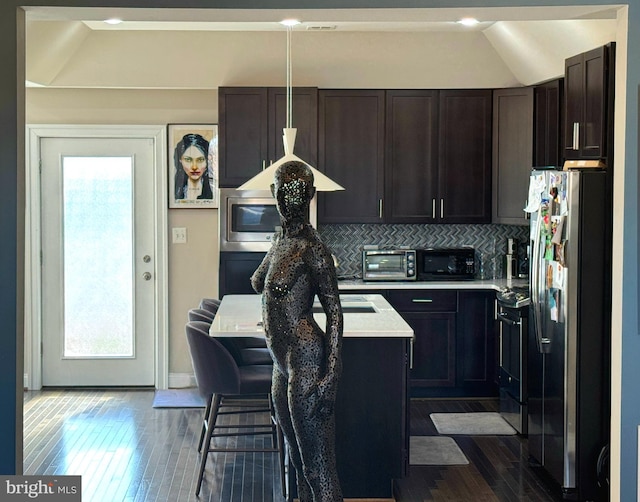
(372, 412)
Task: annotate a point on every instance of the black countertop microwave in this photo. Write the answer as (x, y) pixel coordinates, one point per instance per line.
(445, 264)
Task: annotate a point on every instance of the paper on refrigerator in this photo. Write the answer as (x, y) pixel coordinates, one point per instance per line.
(536, 189)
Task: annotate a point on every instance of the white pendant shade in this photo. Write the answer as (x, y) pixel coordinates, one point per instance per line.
(264, 179)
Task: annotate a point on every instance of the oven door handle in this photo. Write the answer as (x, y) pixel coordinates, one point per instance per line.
(502, 317)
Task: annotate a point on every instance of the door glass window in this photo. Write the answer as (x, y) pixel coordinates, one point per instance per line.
(98, 256)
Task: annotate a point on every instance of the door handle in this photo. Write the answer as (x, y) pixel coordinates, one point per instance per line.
(433, 208)
(441, 208)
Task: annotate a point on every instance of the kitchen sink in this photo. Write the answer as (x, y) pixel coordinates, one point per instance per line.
(351, 304)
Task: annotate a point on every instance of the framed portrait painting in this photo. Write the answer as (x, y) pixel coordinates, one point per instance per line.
(193, 165)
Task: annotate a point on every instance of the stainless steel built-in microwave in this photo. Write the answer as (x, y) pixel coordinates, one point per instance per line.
(249, 218)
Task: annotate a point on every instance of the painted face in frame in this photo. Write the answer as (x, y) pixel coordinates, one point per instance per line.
(194, 162)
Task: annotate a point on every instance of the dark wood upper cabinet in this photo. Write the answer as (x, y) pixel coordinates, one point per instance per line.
(403, 156)
(242, 134)
(351, 152)
(588, 112)
(251, 120)
(411, 156)
(512, 153)
(304, 105)
(438, 156)
(547, 123)
(464, 156)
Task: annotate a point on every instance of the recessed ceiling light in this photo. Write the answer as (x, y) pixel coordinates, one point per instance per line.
(468, 21)
(113, 20)
(290, 22)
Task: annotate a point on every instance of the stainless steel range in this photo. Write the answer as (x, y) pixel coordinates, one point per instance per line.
(512, 314)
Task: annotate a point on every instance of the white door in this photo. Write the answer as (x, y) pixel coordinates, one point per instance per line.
(98, 268)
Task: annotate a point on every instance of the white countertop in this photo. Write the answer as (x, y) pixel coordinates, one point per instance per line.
(241, 315)
(494, 284)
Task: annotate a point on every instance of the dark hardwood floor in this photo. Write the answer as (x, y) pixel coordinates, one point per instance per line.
(498, 468)
(126, 450)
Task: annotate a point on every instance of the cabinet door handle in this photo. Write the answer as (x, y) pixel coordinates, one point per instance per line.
(264, 165)
(441, 208)
(380, 207)
(500, 346)
(576, 135)
(433, 208)
(422, 300)
(411, 342)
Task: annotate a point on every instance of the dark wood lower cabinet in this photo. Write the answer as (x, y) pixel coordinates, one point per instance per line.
(372, 417)
(476, 349)
(236, 269)
(434, 349)
(454, 351)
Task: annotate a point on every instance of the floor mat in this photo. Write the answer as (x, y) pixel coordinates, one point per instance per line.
(486, 423)
(435, 450)
(178, 398)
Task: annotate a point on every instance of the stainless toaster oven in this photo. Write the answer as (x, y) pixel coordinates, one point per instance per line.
(389, 265)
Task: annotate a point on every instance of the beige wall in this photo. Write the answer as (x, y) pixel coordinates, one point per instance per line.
(193, 267)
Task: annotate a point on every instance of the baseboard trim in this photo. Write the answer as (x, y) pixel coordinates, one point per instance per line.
(176, 381)
(181, 380)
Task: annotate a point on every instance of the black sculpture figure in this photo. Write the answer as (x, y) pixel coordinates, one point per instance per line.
(307, 361)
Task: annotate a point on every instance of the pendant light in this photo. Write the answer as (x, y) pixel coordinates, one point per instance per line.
(264, 179)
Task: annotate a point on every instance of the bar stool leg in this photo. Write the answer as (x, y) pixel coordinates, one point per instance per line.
(213, 415)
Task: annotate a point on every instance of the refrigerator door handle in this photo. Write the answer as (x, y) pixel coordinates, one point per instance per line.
(543, 343)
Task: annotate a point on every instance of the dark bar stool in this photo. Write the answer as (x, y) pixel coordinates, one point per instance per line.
(221, 381)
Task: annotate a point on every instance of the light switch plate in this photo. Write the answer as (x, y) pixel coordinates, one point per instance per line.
(179, 235)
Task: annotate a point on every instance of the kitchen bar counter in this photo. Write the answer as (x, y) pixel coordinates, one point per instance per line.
(372, 412)
(241, 315)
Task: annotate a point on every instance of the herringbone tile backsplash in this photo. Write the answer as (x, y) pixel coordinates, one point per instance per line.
(490, 242)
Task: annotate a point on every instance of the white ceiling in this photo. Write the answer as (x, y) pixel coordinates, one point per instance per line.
(431, 19)
(73, 47)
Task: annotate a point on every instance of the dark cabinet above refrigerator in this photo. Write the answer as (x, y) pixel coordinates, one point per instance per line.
(588, 87)
(548, 101)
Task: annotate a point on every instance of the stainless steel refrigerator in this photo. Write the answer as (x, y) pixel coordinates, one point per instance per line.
(569, 327)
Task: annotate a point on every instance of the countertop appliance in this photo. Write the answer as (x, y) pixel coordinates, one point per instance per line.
(247, 221)
(446, 264)
(389, 264)
(249, 218)
(512, 314)
(568, 373)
